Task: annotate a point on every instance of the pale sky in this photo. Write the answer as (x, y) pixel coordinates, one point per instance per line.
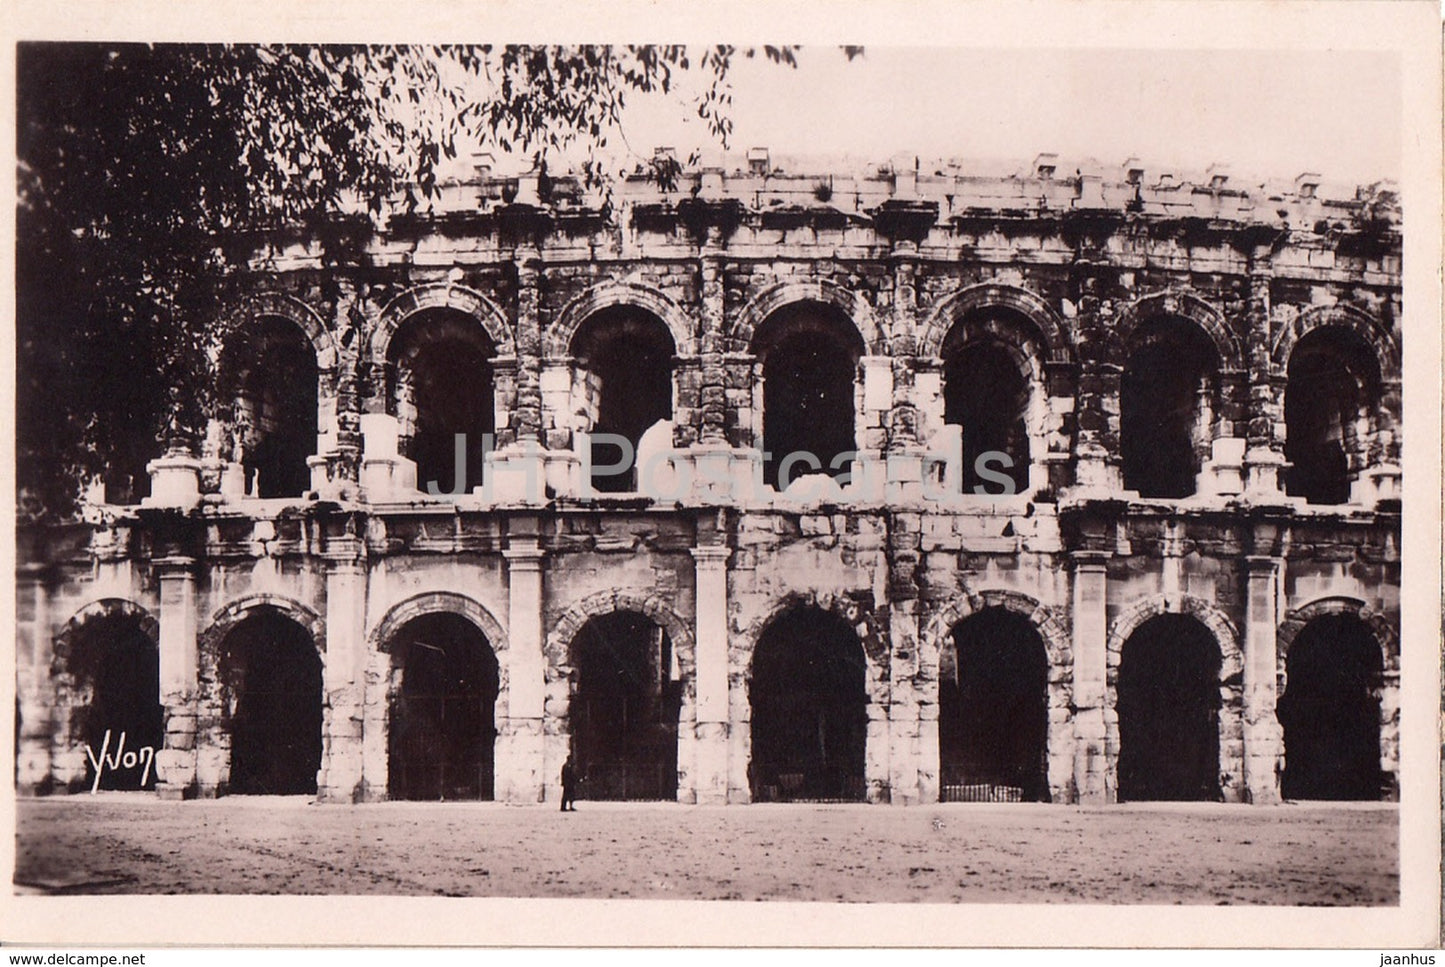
(1269, 114)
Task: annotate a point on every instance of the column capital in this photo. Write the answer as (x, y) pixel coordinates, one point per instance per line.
(174, 566)
(1258, 563)
(524, 558)
(1090, 560)
(344, 553)
(711, 555)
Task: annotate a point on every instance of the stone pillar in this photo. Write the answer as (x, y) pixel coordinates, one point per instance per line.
(517, 470)
(522, 762)
(175, 481)
(1263, 736)
(912, 761)
(341, 775)
(529, 345)
(1264, 462)
(1092, 776)
(713, 399)
(177, 769)
(33, 682)
(1097, 439)
(903, 428)
(710, 775)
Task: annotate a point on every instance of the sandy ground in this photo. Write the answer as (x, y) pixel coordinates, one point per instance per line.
(1196, 854)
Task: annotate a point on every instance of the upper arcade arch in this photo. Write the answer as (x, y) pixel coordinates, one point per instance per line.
(605, 295)
(283, 306)
(1183, 305)
(440, 295)
(1041, 324)
(740, 335)
(1363, 324)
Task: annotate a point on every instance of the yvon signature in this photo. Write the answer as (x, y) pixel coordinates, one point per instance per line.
(140, 758)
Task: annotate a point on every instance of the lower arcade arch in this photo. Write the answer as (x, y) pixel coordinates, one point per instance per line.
(441, 729)
(1168, 704)
(809, 701)
(271, 683)
(1330, 711)
(112, 663)
(626, 698)
(993, 710)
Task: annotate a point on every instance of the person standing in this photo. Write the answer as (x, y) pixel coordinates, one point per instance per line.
(569, 786)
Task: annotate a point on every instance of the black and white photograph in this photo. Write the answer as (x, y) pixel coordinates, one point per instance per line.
(923, 466)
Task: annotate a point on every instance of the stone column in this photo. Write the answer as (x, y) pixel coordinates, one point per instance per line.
(341, 776)
(33, 682)
(896, 435)
(177, 769)
(529, 345)
(1264, 462)
(713, 399)
(516, 473)
(711, 635)
(1263, 736)
(1097, 437)
(912, 759)
(1092, 778)
(522, 762)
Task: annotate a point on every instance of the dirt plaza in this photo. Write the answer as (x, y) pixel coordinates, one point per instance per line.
(1025, 853)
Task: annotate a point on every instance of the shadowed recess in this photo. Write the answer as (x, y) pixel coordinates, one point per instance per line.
(1330, 711)
(271, 679)
(625, 708)
(809, 710)
(993, 710)
(442, 731)
(1168, 703)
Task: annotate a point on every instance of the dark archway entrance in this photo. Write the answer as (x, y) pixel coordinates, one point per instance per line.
(1330, 711)
(271, 675)
(809, 710)
(626, 354)
(273, 366)
(440, 387)
(625, 708)
(986, 392)
(442, 730)
(1332, 388)
(810, 356)
(1168, 705)
(993, 710)
(1167, 398)
(115, 660)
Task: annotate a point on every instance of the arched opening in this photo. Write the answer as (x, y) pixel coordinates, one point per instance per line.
(273, 416)
(987, 387)
(625, 708)
(271, 682)
(442, 729)
(1332, 387)
(1168, 396)
(1168, 706)
(114, 660)
(993, 710)
(439, 387)
(1330, 711)
(809, 353)
(624, 357)
(809, 710)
